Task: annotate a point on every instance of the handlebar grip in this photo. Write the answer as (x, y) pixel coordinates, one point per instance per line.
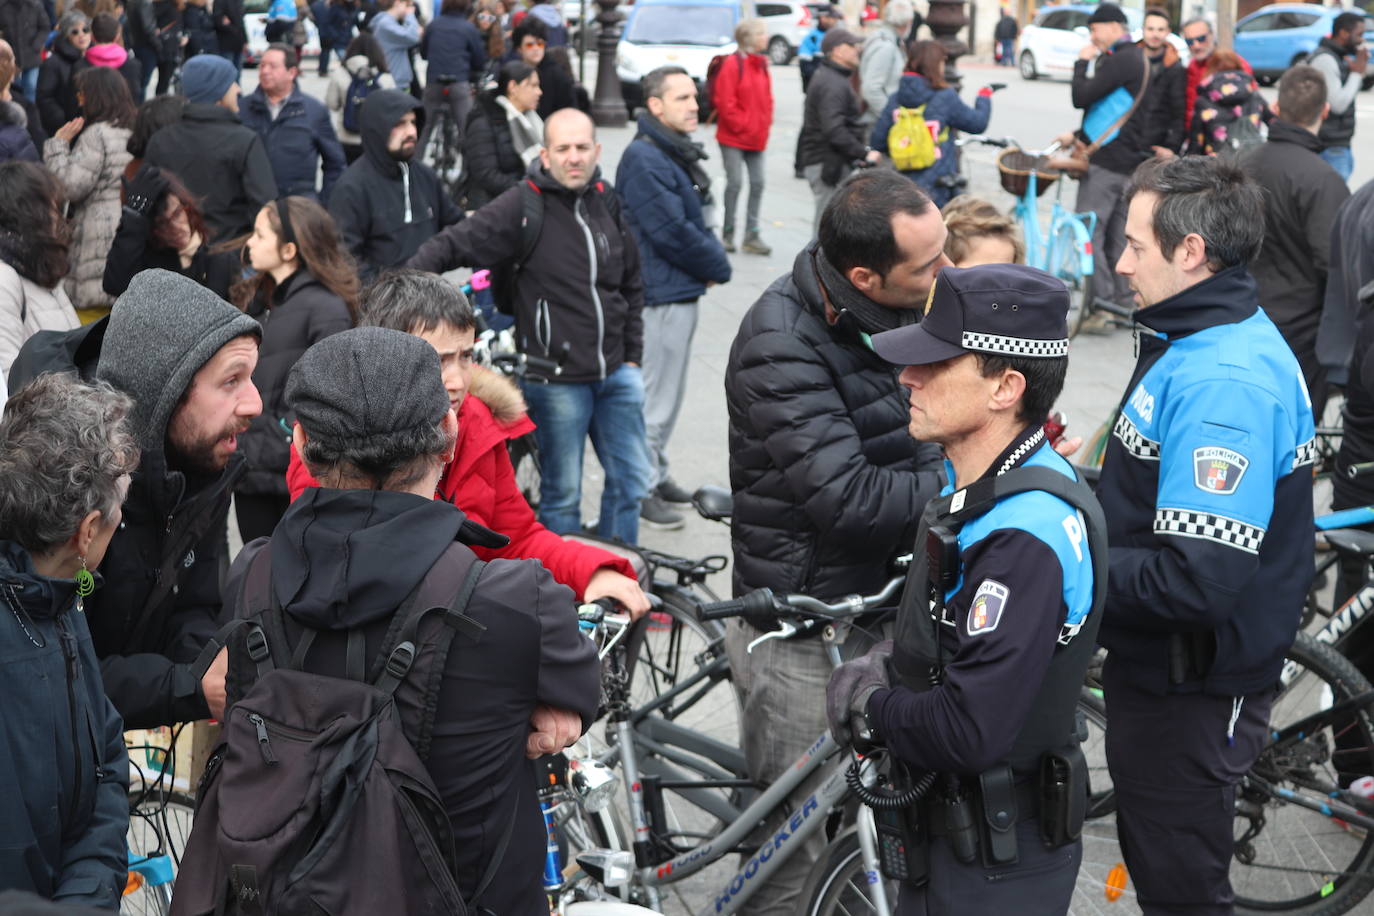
(1360, 470)
(480, 280)
(540, 366)
(759, 601)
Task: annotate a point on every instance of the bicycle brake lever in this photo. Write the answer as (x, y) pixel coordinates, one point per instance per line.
(789, 629)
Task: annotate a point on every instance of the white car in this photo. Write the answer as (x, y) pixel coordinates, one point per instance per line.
(687, 33)
(255, 24)
(1049, 46)
(788, 23)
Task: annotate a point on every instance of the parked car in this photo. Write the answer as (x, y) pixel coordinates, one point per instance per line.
(687, 33)
(788, 22)
(1049, 46)
(255, 24)
(1275, 37)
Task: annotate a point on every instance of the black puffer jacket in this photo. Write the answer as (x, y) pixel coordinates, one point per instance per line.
(386, 209)
(831, 133)
(135, 250)
(1121, 67)
(304, 311)
(490, 162)
(56, 94)
(828, 485)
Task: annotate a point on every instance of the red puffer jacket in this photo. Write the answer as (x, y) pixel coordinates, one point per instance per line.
(744, 102)
(481, 482)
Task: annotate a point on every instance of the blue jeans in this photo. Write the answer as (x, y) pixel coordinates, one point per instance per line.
(1008, 55)
(1341, 159)
(28, 83)
(146, 55)
(612, 413)
(235, 58)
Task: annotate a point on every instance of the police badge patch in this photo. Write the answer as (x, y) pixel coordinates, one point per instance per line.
(988, 604)
(1218, 470)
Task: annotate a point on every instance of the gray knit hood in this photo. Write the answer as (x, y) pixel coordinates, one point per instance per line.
(161, 331)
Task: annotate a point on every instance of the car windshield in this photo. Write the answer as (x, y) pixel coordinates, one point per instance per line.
(256, 6)
(681, 25)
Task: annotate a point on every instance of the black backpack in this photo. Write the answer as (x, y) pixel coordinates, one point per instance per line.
(317, 800)
(358, 90)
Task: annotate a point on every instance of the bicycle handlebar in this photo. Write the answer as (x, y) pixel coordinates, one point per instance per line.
(763, 601)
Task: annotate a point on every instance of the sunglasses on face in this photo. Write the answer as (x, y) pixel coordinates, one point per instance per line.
(532, 43)
(1200, 40)
(79, 30)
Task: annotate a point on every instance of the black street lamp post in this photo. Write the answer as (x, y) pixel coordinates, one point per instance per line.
(608, 108)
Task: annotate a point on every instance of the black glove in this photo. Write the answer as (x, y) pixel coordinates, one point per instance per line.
(850, 688)
(145, 191)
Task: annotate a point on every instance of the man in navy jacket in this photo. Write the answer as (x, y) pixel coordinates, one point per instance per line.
(667, 195)
(295, 128)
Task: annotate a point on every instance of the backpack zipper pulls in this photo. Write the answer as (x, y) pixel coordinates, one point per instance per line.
(264, 744)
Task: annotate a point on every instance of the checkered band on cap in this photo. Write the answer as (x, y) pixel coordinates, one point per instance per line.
(1014, 346)
(1209, 527)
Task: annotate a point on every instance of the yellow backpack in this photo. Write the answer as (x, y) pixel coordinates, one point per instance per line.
(910, 142)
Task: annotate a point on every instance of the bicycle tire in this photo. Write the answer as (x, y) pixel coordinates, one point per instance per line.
(524, 458)
(160, 822)
(838, 884)
(1065, 254)
(1315, 676)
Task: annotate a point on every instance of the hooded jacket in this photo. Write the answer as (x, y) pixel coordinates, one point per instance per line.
(116, 58)
(880, 69)
(1223, 100)
(346, 559)
(134, 250)
(387, 209)
(481, 482)
(224, 164)
(300, 142)
(1209, 508)
(56, 96)
(27, 308)
(1123, 66)
(828, 484)
(744, 102)
(1197, 72)
(1302, 195)
(943, 110)
(62, 750)
(1166, 99)
(15, 142)
(586, 311)
(336, 93)
(663, 207)
(490, 162)
(832, 135)
(303, 312)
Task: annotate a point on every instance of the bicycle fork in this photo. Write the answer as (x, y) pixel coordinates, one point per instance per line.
(639, 817)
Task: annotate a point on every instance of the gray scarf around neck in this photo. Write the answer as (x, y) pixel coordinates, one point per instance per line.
(867, 315)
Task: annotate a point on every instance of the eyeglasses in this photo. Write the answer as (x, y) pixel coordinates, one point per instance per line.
(79, 30)
(1199, 40)
(532, 43)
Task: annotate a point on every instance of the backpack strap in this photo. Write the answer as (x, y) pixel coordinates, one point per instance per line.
(252, 612)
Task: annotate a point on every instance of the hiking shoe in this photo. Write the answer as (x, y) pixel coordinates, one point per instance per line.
(656, 513)
(1097, 323)
(754, 245)
(727, 238)
(670, 491)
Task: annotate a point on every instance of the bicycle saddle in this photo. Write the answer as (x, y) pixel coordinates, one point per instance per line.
(715, 503)
(1351, 542)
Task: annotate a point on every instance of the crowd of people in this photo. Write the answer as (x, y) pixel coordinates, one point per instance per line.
(210, 299)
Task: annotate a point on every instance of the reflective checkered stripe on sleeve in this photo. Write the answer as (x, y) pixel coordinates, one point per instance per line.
(1134, 441)
(1208, 527)
(1306, 454)
(1014, 346)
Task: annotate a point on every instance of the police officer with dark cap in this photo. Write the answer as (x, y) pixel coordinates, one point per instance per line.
(999, 616)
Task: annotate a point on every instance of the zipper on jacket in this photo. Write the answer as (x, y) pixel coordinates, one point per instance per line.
(264, 743)
(405, 190)
(67, 641)
(579, 207)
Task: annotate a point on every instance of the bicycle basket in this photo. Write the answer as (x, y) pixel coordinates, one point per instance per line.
(1014, 166)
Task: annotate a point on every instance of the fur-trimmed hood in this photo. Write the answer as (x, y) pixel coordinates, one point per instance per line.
(499, 393)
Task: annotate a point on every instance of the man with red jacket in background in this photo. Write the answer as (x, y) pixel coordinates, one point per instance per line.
(1202, 41)
(480, 481)
(743, 99)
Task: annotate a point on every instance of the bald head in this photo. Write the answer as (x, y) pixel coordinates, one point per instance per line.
(570, 150)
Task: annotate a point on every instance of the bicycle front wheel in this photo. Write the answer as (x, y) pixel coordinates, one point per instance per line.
(840, 885)
(1070, 259)
(159, 824)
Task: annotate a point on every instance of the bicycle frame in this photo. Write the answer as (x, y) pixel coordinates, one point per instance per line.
(1050, 255)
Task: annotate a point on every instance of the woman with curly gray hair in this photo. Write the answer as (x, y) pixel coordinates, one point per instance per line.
(65, 460)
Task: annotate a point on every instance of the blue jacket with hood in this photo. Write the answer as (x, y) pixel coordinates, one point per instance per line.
(943, 109)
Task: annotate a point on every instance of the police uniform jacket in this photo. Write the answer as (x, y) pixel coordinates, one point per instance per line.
(1026, 580)
(1207, 489)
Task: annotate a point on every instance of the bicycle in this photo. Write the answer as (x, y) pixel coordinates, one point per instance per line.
(443, 150)
(161, 809)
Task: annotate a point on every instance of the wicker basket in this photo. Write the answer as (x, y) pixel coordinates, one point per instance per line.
(1014, 166)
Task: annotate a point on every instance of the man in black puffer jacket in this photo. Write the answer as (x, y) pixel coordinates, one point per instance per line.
(828, 484)
(490, 163)
(832, 137)
(387, 204)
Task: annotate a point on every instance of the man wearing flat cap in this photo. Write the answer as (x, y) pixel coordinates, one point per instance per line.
(998, 619)
(832, 133)
(375, 427)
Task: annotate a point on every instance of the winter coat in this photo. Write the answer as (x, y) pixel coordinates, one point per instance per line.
(1352, 266)
(303, 312)
(229, 29)
(56, 95)
(221, 162)
(1165, 100)
(15, 142)
(386, 209)
(200, 31)
(1006, 29)
(454, 48)
(1343, 87)
(828, 484)
(300, 141)
(548, 14)
(24, 24)
(32, 122)
(744, 102)
(831, 134)
(90, 171)
(116, 58)
(1223, 100)
(27, 308)
(490, 162)
(140, 24)
(678, 254)
(1302, 195)
(1197, 72)
(588, 314)
(1123, 66)
(61, 747)
(944, 111)
(880, 70)
(396, 39)
(134, 250)
(481, 482)
(557, 88)
(334, 21)
(346, 559)
(336, 93)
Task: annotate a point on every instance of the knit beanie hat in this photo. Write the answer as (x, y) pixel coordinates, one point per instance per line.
(161, 331)
(367, 382)
(206, 78)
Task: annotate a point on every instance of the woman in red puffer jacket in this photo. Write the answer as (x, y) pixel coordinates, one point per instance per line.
(743, 99)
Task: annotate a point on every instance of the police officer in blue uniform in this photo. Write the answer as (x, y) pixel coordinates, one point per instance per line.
(997, 622)
(1207, 489)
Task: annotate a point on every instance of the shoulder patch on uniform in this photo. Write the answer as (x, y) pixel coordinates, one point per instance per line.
(986, 610)
(1218, 470)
